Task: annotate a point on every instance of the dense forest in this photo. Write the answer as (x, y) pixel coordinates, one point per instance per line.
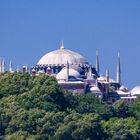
(37, 108)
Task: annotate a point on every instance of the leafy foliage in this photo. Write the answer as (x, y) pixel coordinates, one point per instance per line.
(37, 108)
(122, 129)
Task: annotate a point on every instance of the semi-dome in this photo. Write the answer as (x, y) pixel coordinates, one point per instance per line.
(61, 57)
(77, 68)
(62, 75)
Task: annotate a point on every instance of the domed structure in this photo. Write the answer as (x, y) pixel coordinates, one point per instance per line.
(75, 74)
(124, 89)
(62, 75)
(135, 90)
(95, 89)
(58, 59)
(103, 79)
(61, 57)
(77, 68)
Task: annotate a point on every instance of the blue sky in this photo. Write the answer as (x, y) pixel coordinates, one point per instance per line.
(31, 28)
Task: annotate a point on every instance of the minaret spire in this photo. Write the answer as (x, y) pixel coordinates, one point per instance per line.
(107, 80)
(118, 74)
(67, 70)
(17, 70)
(97, 62)
(62, 45)
(3, 65)
(10, 67)
(89, 74)
(107, 75)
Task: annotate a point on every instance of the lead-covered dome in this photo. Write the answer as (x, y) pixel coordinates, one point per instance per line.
(61, 57)
(135, 90)
(62, 75)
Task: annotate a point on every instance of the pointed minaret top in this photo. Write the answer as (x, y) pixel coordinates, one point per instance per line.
(89, 74)
(10, 66)
(107, 72)
(62, 45)
(3, 65)
(118, 75)
(107, 75)
(97, 62)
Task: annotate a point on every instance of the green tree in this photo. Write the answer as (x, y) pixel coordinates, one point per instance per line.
(121, 109)
(80, 127)
(122, 129)
(13, 83)
(25, 121)
(134, 108)
(19, 135)
(90, 104)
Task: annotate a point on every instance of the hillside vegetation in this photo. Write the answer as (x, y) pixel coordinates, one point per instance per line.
(37, 108)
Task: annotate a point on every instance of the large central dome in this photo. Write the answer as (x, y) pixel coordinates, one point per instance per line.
(61, 57)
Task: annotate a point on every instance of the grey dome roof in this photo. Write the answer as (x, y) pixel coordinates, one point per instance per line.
(61, 57)
(77, 68)
(62, 75)
(135, 90)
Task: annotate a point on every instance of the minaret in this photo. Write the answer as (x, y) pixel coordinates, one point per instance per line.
(67, 71)
(10, 67)
(107, 76)
(17, 70)
(62, 45)
(107, 84)
(27, 68)
(97, 62)
(118, 74)
(89, 74)
(3, 65)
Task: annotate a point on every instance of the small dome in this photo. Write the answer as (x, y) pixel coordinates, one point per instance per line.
(103, 79)
(61, 57)
(62, 75)
(41, 72)
(95, 89)
(122, 88)
(135, 90)
(123, 93)
(33, 70)
(48, 68)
